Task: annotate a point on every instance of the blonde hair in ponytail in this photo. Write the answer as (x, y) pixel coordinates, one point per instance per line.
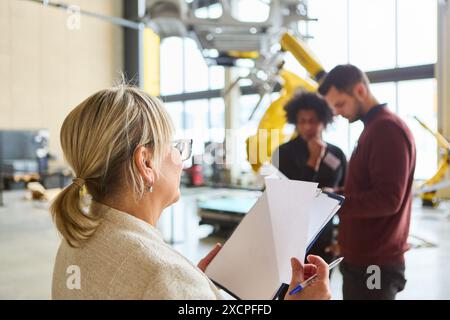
(98, 139)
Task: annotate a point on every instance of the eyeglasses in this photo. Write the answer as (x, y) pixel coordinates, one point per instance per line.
(184, 146)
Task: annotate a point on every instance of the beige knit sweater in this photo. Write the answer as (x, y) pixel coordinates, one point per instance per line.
(126, 259)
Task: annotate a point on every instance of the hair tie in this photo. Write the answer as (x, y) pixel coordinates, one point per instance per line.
(79, 182)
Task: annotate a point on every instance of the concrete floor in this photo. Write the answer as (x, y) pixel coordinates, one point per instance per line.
(28, 244)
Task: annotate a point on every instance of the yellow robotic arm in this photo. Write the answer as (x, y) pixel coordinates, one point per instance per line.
(303, 55)
(430, 198)
(270, 129)
(442, 142)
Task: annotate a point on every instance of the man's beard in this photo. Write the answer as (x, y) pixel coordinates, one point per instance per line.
(359, 112)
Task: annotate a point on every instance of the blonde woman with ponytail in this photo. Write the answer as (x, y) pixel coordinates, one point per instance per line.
(119, 145)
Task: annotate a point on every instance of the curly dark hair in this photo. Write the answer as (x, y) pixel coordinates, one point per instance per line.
(308, 101)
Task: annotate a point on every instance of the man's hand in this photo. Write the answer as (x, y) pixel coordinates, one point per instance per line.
(206, 260)
(317, 150)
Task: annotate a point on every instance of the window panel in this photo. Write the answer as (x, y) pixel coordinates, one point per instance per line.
(330, 31)
(417, 32)
(171, 62)
(337, 134)
(385, 92)
(196, 75)
(216, 77)
(175, 110)
(372, 34)
(217, 114)
(248, 103)
(197, 124)
(418, 98)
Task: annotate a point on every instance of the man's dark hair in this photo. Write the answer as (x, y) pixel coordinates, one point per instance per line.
(308, 101)
(343, 78)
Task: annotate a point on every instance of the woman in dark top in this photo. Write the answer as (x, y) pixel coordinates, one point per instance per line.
(308, 158)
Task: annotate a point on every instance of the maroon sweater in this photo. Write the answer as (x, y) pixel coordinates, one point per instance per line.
(375, 217)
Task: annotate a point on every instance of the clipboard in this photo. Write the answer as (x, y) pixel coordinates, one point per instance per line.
(284, 222)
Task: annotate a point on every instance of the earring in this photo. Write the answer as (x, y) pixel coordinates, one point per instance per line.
(149, 186)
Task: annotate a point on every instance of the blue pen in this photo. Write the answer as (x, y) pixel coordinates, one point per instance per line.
(304, 284)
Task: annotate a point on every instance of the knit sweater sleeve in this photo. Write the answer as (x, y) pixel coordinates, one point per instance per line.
(389, 170)
(173, 277)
